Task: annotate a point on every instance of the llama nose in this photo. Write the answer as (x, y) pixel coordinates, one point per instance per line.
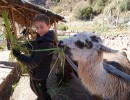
(60, 44)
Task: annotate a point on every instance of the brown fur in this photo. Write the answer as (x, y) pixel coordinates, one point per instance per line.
(114, 87)
(90, 66)
(122, 59)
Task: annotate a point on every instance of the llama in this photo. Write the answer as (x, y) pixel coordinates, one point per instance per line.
(88, 49)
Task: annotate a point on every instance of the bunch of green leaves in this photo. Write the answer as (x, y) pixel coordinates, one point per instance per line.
(9, 35)
(59, 64)
(12, 39)
(7, 26)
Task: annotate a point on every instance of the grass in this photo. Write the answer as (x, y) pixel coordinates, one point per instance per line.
(9, 35)
(67, 91)
(7, 32)
(62, 37)
(12, 39)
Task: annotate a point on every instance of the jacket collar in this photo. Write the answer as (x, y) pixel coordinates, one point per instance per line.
(49, 36)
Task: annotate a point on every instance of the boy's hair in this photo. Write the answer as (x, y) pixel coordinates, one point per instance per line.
(43, 18)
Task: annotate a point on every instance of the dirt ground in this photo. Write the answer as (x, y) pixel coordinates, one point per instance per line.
(23, 91)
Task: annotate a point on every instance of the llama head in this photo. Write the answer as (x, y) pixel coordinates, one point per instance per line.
(84, 45)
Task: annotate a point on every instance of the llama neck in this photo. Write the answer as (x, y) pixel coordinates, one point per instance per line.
(91, 70)
(92, 74)
(91, 66)
(92, 63)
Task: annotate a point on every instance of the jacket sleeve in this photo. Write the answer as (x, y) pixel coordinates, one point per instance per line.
(36, 57)
(28, 45)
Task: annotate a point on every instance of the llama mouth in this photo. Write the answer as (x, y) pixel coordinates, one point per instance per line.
(67, 50)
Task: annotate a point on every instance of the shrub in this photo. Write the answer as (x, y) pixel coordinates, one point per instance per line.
(100, 2)
(124, 6)
(98, 5)
(86, 13)
(82, 11)
(120, 5)
(57, 1)
(62, 27)
(57, 9)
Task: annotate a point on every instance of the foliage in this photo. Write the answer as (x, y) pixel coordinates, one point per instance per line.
(57, 1)
(10, 36)
(98, 6)
(113, 12)
(82, 11)
(57, 9)
(118, 5)
(125, 5)
(12, 39)
(62, 26)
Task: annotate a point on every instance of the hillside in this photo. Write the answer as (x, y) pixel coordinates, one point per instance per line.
(94, 15)
(91, 15)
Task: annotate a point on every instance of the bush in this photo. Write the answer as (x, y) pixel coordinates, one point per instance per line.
(100, 2)
(86, 13)
(57, 1)
(62, 27)
(124, 6)
(121, 6)
(82, 12)
(98, 6)
(57, 9)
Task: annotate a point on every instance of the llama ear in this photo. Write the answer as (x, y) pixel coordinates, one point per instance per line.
(106, 49)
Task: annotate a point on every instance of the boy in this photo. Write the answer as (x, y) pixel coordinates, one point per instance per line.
(38, 62)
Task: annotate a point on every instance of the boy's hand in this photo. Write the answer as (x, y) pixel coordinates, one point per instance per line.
(16, 52)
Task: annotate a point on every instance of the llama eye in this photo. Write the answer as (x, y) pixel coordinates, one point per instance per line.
(94, 39)
(89, 44)
(79, 44)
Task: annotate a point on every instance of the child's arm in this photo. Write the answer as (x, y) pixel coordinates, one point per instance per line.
(34, 60)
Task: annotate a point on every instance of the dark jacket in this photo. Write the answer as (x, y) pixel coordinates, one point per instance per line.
(38, 62)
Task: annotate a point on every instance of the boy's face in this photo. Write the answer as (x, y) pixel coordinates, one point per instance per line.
(41, 27)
